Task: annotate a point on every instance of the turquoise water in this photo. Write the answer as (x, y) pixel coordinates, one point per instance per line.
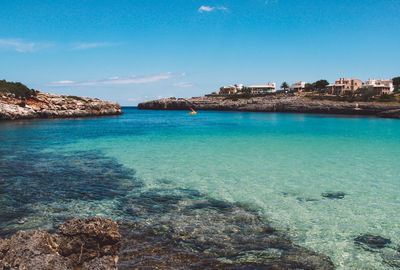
(280, 164)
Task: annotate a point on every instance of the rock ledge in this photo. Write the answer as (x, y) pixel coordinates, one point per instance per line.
(44, 105)
(91, 243)
(275, 103)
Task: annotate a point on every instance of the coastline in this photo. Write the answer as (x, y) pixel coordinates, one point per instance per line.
(275, 103)
(43, 106)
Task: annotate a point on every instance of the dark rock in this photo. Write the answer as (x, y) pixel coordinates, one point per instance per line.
(90, 243)
(302, 258)
(372, 241)
(33, 250)
(334, 195)
(103, 263)
(84, 240)
(300, 199)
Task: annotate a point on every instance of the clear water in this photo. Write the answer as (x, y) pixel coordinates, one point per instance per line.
(280, 164)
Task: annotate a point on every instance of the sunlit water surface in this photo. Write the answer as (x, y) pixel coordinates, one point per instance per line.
(278, 163)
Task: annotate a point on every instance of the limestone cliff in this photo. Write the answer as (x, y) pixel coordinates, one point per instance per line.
(275, 103)
(44, 105)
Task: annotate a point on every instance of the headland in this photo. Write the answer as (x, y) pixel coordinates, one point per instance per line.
(19, 102)
(275, 102)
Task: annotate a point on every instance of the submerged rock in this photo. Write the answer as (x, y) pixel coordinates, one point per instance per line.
(90, 243)
(197, 232)
(334, 195)
(372, 241)
(301, 199)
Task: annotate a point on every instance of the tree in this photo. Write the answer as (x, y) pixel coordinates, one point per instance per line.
(396, 83)
(308, 87)
(320, 85)
(284, 86)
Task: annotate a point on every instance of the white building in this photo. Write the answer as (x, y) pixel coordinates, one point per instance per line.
(298, 87)
(263, 89)
(384, 86)
(239, 87)
(227, 90)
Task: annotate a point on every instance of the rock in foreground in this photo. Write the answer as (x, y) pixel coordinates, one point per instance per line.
(91, 243)
(54, 106)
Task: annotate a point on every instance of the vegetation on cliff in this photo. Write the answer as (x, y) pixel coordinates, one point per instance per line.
(396, 84)
(18, 89)
(360, 95)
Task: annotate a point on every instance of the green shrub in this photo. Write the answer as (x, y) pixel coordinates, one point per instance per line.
(18, 89)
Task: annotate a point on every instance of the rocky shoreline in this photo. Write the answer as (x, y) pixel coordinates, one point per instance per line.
(44, 105)
(96, 243)
(91, 243)
(274, 103)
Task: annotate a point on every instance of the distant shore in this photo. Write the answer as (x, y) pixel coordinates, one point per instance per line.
(44, 105)
(275, 103)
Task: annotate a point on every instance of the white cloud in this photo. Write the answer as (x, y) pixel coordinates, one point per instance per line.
(182, 84)
(121, 80)
(92, 45)
(65, 82)
(209, 9)
(21, 45)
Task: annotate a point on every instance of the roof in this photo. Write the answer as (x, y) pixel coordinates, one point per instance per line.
(261, 86)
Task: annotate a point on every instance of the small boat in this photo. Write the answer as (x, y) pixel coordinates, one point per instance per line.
(192, 112)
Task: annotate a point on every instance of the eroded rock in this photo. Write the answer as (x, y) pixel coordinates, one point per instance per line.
(274, 103)
(372, 241)
(90, 243)
(82, 240)
(334, 195)
(54, 106)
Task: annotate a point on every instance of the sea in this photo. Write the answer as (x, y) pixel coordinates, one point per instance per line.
(143, 165)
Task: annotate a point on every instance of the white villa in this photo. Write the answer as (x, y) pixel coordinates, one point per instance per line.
(383, 86)
(227, 90)
(239, 86)
(298, 86)
(262, 89)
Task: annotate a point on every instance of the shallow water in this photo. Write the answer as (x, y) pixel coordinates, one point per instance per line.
(153, 166)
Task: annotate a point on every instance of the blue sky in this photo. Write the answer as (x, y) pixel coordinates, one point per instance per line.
(130, 51)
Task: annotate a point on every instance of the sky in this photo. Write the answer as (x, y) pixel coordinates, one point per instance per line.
(130, 51)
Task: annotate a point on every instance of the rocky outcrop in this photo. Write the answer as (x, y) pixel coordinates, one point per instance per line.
(91, 243)
(54, 106)
(372, 241)
(334, 195)
(274, 103)
(95, 243)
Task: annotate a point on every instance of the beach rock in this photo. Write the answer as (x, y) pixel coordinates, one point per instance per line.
(83, 240)
(274, 103)
(90, 243)
(54, 106)
(32, 250)
(334, 195)
(372, 241)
